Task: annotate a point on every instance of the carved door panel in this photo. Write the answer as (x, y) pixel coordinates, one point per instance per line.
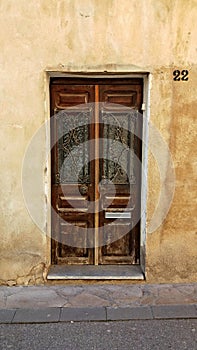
(120, 170)
(72, 181)
(95, 175)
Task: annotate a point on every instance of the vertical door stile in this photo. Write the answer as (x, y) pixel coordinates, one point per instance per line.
(55, 181)
(96, 217)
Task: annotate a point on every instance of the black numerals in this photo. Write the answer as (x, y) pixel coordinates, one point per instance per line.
(180, 75)
(176, 74)
(185, 74)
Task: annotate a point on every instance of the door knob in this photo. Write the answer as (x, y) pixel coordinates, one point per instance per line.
(83, 189)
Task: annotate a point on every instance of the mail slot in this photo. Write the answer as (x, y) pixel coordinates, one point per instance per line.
(117, 215)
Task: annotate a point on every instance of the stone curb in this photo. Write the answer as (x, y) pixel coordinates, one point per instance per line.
(78, 314)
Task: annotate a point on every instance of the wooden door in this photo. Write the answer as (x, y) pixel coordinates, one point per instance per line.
(120, 173)
(99, 179)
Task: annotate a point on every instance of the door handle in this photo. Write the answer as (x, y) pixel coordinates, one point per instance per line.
(83, 189)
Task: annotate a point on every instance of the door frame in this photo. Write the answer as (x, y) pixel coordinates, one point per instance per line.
(105, 73)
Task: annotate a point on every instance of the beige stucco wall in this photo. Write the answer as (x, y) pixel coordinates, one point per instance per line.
(156, 36)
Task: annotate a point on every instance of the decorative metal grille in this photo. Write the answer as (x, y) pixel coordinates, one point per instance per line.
(73, 152)
(117, 151)
(118, 145)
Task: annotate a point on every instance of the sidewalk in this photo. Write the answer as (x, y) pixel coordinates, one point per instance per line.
(99, 302)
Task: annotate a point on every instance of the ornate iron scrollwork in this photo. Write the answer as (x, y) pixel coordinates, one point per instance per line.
(118, 135)
(73, 152)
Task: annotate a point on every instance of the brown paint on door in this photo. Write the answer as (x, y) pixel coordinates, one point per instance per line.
(76, 187)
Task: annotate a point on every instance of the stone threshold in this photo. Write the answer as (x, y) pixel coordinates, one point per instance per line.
(92, 272)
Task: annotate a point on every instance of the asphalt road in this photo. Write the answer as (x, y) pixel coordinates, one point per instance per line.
(140, 335)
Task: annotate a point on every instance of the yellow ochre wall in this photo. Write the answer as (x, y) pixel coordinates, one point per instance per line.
(156, 36)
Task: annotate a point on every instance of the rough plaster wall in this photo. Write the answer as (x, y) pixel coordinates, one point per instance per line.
(172, 249)
(158, 36)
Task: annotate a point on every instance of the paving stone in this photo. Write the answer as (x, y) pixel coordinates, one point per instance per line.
(129, 313)
(68, 291)
(125, 290)
(173, 296)
(174, 311)
(36, 315)
(148, 300)
(35, 297)
(12, 290)
(6, 316)
(114, 296)
(89, 300)
(83, 314)
(2, 304)
(99, 291)
(173, 301)
(186, 289)
(126, 302)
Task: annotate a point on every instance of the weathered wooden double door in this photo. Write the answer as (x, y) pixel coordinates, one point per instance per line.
(96, 172)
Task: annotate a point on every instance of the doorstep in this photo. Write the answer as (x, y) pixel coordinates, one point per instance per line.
(92, 272)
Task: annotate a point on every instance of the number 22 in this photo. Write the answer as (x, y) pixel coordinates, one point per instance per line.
(183, 75)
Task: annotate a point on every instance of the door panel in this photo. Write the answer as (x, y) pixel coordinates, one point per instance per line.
(72, 173)
(115, 178)
(128, 95)
(119, 173)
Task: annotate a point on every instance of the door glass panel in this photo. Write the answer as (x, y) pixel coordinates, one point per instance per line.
(73, 150)
(118, 143)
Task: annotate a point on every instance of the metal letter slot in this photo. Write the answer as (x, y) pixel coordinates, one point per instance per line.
(117, 215)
